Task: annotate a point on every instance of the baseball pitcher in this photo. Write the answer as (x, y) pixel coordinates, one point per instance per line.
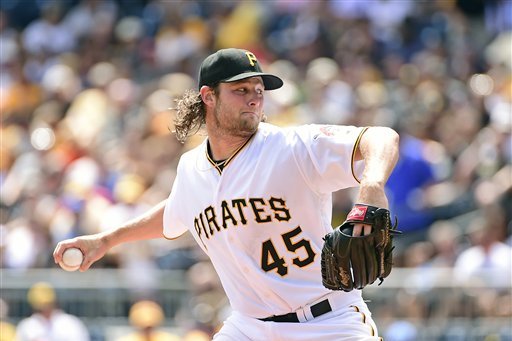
(257, 198)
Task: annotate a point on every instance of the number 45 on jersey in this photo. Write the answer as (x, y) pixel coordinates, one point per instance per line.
(271, 260)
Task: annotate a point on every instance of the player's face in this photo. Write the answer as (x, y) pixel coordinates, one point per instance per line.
(239, 107)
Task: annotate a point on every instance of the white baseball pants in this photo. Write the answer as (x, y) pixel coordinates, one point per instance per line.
(350, 323)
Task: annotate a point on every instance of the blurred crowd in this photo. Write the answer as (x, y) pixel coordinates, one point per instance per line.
(88, 86)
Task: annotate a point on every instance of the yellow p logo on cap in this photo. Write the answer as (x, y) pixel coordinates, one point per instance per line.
(251, 57)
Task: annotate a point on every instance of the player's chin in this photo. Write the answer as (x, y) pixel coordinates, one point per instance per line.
(250, 122)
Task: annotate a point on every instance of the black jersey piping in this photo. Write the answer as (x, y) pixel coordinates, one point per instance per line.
(228, 160)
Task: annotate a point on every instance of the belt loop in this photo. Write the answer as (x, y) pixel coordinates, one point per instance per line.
(301, 314)
(308, 313)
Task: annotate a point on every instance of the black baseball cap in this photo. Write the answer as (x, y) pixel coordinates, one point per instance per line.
(230, 65)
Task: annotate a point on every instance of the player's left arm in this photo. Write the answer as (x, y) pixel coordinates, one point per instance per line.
(378, 147)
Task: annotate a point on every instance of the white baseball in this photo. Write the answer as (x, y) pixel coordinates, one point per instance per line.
(72, 258)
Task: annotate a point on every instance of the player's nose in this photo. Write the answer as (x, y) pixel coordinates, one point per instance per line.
(255, 99)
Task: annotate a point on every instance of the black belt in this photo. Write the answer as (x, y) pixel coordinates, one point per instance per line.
(317, 309)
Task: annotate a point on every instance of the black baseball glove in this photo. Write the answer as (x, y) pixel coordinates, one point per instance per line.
(350, 262)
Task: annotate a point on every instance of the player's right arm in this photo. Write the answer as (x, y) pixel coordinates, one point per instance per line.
(147, 226)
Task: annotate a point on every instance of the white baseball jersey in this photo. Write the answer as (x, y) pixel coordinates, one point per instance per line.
(261, 220)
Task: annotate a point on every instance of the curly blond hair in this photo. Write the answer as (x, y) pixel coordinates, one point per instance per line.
(190, 115)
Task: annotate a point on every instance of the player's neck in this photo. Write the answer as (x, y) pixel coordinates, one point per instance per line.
(222, 148)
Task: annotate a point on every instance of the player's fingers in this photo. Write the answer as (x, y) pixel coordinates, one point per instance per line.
(86, 264)
(59, 250)
(361, 229)
(56, 254)
(89, 259)
(63, 246)
(358, 229)
(367, 229)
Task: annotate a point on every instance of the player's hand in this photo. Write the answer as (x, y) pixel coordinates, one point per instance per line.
(374, 195)
(361, 228)
(93, 247)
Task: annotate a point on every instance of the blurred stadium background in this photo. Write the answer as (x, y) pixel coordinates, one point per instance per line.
(86, 88)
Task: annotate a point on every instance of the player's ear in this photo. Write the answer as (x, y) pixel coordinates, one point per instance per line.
(207, 95)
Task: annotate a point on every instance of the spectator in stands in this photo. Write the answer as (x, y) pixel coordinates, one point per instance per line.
(48, 322)
(146, 317)
(7, 329)
(489, 259)
(402, 330)
(196, 335)
(412, 174)
(48, 35)
(444, 236)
